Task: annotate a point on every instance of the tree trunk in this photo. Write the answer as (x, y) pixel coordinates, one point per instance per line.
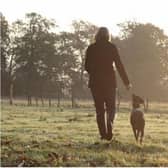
(36, 99)
(29, 99)
(72, 97)
(11, 93)
(73, 101)
(42, 101)
(58, 99)
(146, 105)
(11, 80)
(49, 101)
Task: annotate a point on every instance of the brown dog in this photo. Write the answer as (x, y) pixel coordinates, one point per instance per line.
(137, 118)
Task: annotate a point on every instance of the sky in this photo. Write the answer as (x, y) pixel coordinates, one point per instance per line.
(107, 13)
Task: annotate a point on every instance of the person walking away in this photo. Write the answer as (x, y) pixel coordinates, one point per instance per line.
(99, 63)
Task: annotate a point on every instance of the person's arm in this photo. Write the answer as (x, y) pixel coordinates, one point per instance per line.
(120, 68)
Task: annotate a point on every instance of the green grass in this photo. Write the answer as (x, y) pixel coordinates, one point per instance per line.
(43, 136)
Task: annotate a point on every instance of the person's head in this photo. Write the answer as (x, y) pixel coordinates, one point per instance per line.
(102, 34)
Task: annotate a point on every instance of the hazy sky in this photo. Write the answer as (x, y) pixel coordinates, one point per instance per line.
(100, 12)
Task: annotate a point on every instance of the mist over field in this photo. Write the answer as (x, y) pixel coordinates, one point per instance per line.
(37, 62)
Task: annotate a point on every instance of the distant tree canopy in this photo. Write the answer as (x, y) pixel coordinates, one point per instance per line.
(5, 40)
(42, 63)
(144, 51)
(35, 55)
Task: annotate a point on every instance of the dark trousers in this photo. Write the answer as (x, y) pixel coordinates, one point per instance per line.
(104, 99)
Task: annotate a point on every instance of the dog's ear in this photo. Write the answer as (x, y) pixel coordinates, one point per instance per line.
(137, 99)
(141, 100)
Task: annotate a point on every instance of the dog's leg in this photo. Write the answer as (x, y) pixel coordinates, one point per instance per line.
(135, 134)
(138, 131)
(142, 134)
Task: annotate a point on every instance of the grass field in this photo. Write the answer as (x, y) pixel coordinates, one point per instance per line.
(43, 136)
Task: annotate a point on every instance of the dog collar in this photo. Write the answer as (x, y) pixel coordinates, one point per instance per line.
(136, 109)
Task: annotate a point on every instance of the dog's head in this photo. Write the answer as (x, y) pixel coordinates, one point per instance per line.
(136, 101)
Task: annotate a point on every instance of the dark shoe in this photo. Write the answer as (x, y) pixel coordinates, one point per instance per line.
(109, 137)
(101, 126)
(103, 137)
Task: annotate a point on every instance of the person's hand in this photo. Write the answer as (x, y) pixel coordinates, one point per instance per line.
(129, 86)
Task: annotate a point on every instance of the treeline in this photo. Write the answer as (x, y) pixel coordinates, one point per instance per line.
(38, 60)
